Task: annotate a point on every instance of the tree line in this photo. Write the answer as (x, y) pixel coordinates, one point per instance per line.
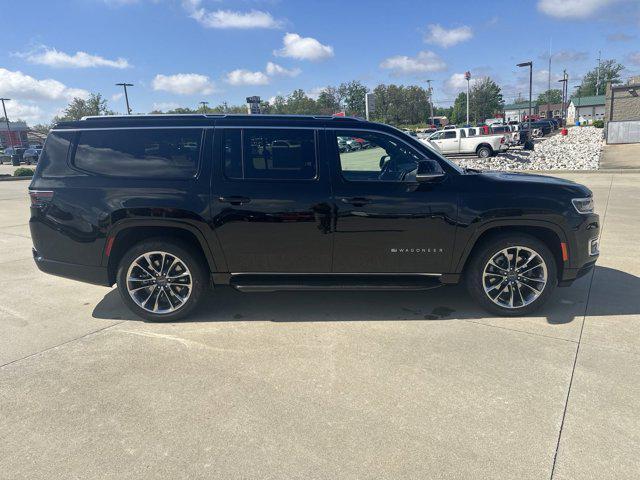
(399, 105)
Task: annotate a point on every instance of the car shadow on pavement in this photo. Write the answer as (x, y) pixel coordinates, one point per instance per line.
(612, 292)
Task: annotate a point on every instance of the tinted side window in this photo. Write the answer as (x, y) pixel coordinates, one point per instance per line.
(449, 134)
(53, 160)
(269, 154)
(140, 153)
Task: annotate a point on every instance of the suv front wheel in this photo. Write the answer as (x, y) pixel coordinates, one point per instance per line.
(161, 280)
(512, 275)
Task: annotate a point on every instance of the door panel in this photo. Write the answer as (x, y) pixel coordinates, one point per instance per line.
(384, 224)
(271, 201)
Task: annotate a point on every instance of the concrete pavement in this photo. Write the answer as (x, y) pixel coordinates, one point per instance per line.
(323, 385)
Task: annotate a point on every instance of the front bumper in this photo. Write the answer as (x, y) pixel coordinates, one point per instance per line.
(583, 249)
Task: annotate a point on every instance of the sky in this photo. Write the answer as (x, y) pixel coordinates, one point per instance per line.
(181, 52)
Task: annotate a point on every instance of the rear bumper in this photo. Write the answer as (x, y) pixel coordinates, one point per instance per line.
(83, 273)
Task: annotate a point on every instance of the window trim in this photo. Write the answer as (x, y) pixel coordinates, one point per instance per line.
(242, 129)
(71, 154)
(334, 147)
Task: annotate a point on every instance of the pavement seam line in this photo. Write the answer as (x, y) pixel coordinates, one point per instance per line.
(521, 331)
(575, 358)
(61, 344)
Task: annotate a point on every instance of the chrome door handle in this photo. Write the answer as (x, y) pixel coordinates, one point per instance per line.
(356, 201)
(234, 200)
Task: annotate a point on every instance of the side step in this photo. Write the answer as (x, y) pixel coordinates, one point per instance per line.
(273, 283)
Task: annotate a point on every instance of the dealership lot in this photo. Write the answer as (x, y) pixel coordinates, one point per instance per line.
(323, 385)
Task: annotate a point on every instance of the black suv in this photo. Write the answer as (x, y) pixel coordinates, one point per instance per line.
(166, 206)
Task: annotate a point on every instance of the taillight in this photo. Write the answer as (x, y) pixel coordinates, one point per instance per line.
(40, 197)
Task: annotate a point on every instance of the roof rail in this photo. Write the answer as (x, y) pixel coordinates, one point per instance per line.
(221, 115)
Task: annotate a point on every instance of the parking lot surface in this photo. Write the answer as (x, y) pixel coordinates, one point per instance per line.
(323, 385)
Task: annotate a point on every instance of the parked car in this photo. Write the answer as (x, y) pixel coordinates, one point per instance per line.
(456, 142)
(507, 131)
(13, 155)
(31, 155)
(269, 203)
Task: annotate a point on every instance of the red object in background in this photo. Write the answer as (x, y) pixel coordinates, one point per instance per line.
(339, 114)
(485, 129)
(564, 131)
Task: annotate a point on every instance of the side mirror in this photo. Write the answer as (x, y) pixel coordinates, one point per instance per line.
(428, 171)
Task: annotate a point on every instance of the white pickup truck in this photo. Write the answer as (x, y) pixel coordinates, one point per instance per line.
(459, 141)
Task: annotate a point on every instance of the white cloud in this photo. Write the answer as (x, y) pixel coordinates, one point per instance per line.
(18, 85)
(314, 92)
(447, 38)
(247, 77)
(117, 96)
(164, 106)
(569, 56)
(572, 8)
(457, 83)
(425, 61)
(229, 18)
(275, 69)
(57, 59)
(183, 83)
(303, 48)
(29, 112)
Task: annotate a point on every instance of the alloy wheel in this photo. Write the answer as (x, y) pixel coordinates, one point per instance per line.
(159, 282)
(514, 277)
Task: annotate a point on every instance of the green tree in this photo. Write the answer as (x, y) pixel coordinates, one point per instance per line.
(550, 96)
(459, 110)
(96, 104)
(298, 103)
(609, 72)
(329, 101)
(42, 128)
(485, 100)
(352, 94)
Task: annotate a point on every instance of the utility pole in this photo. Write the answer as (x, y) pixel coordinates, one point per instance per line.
(126, 96)
(204, 106)
(467, 76)
(530, 65)
(549, 87)
(6, 119)
(564, 99)
(598, 74)
(430, 101)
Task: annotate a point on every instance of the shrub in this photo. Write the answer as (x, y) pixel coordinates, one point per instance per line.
(23, 172)
(598, 123)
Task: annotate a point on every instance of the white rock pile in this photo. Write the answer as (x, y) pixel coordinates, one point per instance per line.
(579, 150)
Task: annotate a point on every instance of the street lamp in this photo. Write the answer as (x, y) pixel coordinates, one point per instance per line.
(126, 97)
(204, 106)
(530, 65)
(564, 80)
(467, 76)
(6, 119)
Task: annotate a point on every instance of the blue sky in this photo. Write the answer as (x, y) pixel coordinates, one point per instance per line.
(179, 52)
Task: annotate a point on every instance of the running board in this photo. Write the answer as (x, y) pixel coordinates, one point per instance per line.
(273, 283)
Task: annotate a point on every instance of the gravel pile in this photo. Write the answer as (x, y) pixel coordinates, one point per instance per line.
(579, 150)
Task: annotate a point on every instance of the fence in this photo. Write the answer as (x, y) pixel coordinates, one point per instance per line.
(623, 132)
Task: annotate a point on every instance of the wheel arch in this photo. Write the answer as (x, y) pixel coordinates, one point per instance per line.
(126, 234)
(485, 144)
(548, 233)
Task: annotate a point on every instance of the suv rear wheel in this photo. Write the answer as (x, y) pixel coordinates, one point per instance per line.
(161, 280)
(512, 275)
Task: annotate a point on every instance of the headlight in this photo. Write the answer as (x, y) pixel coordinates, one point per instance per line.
(583, 205)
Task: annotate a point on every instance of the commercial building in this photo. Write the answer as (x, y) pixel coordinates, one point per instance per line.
(15, 135)
(586, 109)
(622, 112)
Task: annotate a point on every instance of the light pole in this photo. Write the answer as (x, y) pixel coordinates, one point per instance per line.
(564, 81)
(578, 106)
(126, 96)
(6, 119)
(204, 106)
(467, 75)
(530, 65)
(431, 120)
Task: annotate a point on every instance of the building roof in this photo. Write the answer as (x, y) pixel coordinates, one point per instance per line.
(588, 101)
(519, 106)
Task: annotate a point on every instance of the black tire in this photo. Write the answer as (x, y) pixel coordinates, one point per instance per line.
(195, 263)
(484, 152)
(491, 246)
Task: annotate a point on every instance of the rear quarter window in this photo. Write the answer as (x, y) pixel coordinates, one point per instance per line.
(139, 153)
(53, 160)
